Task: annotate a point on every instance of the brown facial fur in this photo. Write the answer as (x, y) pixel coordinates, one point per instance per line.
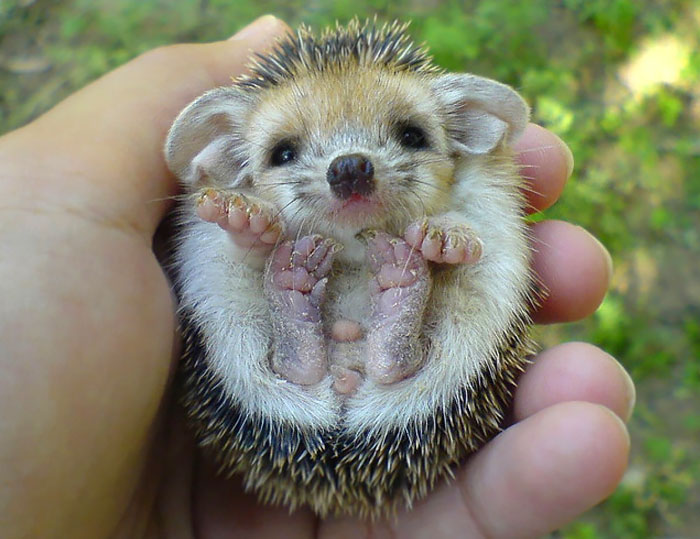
(358, 107)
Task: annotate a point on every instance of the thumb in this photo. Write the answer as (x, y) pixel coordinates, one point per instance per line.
(100, 150)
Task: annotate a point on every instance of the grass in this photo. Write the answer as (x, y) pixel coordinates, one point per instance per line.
(619, 80)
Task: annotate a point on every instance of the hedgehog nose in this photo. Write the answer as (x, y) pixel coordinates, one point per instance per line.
(351, 174)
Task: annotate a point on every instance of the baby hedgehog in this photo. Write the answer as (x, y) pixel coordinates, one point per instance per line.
(352, 268)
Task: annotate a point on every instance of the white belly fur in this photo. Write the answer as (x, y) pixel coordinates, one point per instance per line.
(468, 314)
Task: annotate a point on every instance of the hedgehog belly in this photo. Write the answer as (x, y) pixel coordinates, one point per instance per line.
(334, 471)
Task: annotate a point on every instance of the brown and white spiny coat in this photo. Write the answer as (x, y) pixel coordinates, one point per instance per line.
(327, 138)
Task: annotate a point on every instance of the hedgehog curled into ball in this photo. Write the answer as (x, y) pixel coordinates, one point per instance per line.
(352, 269)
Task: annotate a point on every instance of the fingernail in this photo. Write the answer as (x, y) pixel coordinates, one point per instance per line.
(257, 27)
(630, 390)
(569, 158)
(606, 253)
(620, 422)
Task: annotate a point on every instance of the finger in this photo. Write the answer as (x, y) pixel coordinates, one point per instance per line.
(531, 479)
(574, 268)
(574, 371)
(545, 163)
(110, 147)
(546, 470)
(568, 372)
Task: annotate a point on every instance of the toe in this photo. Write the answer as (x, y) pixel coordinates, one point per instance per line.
(271, 234)
(281, 257)
(415, 233)
(329, 248)
(317, 256)
(318, 292)
(237, 219)
(380, 250)
(294, 279)
(455, 255)
(207, 209)
(474, 250)
(431, 247)
(259, 220)
(392, 275)
(403, 252)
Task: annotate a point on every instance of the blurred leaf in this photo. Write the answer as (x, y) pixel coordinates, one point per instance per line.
(658, 448)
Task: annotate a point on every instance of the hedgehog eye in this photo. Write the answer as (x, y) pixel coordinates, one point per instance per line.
(284, 152)
(412, 137)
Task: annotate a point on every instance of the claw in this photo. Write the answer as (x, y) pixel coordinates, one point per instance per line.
(434, 234)
(366, 235)
(204, 195)
(334, 246)
(476, 249)
(452, 242)
(239, 201)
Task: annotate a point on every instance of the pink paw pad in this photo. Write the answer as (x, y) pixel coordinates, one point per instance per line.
(250, 223)
(345, 381)
(444, 243)
(396, 267)
(297, 272)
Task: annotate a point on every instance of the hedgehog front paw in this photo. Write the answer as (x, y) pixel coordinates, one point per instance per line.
(250, 222)
(295, 284)
(444, 241)
(399, 292)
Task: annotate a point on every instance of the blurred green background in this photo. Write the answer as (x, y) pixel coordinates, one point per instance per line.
(619, 80)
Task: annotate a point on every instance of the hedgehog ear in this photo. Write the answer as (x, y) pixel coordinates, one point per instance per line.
(204, 143)
(481, 113)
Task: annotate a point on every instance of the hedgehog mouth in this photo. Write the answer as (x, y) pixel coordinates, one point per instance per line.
(355, 209)
(357, 199)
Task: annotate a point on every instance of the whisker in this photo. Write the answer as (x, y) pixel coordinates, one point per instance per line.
(272, 185)
(174, 198)
(533, 191)
(538, 148)
(431, 185)
(300, 229)
(529, 166)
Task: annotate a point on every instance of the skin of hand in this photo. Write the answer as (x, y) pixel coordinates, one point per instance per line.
(90, 445)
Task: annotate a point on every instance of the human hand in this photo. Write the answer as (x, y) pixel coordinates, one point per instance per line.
(88, 442)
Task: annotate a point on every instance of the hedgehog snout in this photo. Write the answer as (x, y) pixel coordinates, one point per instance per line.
(351, 174)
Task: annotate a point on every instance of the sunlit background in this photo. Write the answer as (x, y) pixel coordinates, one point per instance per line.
(619, 80)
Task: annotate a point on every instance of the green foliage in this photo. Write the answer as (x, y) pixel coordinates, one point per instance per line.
(636, 185)
(613, 19)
